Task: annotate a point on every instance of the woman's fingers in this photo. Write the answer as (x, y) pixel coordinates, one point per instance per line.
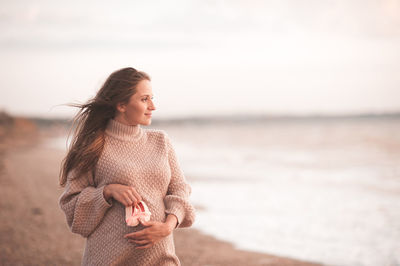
(131, 198)
(147, 237)
(128, 202)
(136, 195)
(127, 195)
(140, 242)
(143, 247)
(139, 235)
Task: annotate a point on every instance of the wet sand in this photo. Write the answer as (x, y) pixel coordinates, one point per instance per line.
(33, 230)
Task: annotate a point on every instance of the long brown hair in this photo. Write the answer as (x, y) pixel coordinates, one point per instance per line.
(91, 120)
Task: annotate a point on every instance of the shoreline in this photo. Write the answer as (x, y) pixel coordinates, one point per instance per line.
(33, 230)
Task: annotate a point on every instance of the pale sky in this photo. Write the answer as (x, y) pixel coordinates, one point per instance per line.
(205, 57)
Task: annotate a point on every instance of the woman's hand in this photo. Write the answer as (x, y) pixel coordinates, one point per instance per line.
(127, 195)
(153, 233)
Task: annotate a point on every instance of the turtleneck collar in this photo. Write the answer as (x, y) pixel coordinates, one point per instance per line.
(124, 132)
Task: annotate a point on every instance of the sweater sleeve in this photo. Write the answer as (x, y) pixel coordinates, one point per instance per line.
(84, 204)
(177, 199)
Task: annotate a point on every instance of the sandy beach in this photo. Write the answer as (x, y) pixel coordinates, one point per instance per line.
(33, 230)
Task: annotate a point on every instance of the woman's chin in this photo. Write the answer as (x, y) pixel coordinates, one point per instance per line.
(147, 122)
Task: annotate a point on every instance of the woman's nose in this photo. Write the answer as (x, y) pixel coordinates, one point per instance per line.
(152, 106)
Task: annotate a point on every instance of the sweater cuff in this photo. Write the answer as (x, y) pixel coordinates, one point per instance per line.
(99, 198)
(178, 211)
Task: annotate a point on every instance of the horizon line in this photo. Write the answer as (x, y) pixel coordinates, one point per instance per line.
(250, 118)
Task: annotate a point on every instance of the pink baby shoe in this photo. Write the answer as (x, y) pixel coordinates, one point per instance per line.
(133, 214)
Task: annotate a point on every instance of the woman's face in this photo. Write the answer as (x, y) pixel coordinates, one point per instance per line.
(139, 108)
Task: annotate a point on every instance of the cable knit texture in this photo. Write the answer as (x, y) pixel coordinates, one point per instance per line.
(146, 160)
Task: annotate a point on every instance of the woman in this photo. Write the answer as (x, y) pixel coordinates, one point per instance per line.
(112, 164)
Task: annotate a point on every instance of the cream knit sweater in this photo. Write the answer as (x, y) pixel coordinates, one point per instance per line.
(146, 160)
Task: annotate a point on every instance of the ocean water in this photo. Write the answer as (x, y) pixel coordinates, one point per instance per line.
(326, 191)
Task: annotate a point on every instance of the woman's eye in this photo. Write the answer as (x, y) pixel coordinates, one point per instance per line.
(145, 99)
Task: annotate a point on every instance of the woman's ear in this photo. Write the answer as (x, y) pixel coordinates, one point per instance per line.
(121, 107)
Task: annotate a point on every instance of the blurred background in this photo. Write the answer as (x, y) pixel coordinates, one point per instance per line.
(285, 116)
